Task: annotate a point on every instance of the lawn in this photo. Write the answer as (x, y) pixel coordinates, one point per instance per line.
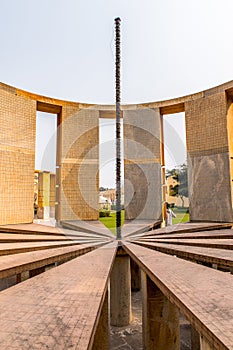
(181, 216)
(110, 221)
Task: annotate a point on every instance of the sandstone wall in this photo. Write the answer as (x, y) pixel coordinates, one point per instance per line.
(142, 148)
(208, 158)
(17, 156)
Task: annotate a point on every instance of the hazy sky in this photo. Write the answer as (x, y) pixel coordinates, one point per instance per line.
(65, 48)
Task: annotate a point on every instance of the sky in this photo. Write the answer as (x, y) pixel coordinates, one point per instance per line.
(65, 48)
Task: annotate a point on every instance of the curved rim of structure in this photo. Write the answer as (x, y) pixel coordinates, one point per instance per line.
(174, 105)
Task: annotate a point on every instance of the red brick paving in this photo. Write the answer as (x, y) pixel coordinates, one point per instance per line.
(58, 309)
(39, 229)
(14, 264)
(209, 255)
(211, 243)
(134, 227)
(190, 227)
(223, 233)
(6, 237)
(14, 248)
(31, 228)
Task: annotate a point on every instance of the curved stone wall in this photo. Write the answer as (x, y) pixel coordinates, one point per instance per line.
(209, 134)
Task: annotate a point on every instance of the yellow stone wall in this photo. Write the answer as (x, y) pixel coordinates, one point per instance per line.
(206, 125)
(52, 198)
(209, 143)
(17, 156)
(79, 164)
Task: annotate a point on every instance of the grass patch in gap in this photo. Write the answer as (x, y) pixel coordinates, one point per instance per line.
(181, 215)
(110, 221)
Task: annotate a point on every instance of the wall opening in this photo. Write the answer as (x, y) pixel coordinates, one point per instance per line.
(174, 165)
(45, 166)
(107, 172)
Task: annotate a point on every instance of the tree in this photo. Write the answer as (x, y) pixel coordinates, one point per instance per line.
(101, 189)
(180, 175)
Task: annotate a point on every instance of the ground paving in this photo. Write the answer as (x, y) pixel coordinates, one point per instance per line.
(65, 239)
(220, 257)
(209, 243)
(133, 227)
(223, 233)
(57, 309)
(190, 227)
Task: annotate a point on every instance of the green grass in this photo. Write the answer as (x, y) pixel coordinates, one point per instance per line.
(110, 222)
(181, 216)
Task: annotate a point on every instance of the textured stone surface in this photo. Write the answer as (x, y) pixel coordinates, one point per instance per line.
(79, 179)
(102, 339)
(142, 164)
(60, 308)
(205, 255)
(210, 188)
(202, 294)
(208, 158)
(43, 211)
(209, 128)
(17, 157)
(206, 125)
(204, 345)
(120, 291)
(160, 318)
(15, 264)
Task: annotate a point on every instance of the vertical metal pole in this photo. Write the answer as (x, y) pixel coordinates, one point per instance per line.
(118, 128)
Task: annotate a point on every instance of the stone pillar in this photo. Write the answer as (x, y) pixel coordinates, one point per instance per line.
(204, 345)
(160, 318)
(101, 340)
(135, 276)
(43, 195)
(195, 339)
(52, 197)
(23, 276)
(120, 291)
(215, 266)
